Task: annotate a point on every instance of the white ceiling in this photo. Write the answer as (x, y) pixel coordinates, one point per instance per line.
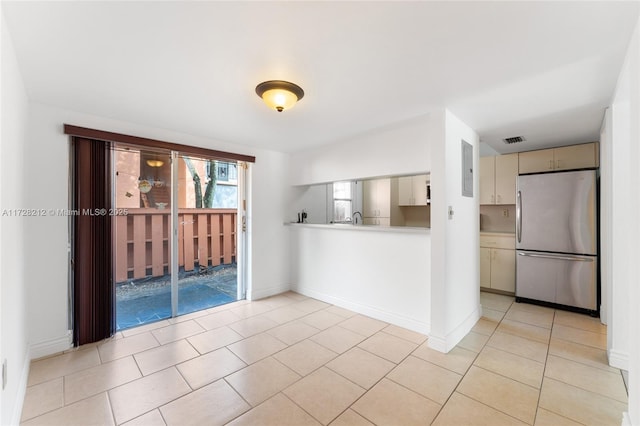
(543, 70)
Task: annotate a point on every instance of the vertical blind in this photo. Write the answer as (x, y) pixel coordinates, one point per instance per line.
(93, 301)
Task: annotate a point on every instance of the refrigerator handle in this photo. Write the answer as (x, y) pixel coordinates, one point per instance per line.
(519, 216)
(558, 257)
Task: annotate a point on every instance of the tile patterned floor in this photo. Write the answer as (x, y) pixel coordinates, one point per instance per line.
(292, 360)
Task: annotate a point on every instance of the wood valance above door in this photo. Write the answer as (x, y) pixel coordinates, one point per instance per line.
(154, 143)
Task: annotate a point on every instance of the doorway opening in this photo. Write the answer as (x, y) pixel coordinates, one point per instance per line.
(175, 233)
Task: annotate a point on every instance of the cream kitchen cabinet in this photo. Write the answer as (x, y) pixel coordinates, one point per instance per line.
(571, 157)
(412, 190)
(498, 179)
(377, 221)
(498, 262)
(380, 203)
(487, 180)
(376, 198)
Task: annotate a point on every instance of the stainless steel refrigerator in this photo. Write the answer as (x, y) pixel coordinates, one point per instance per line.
(556, 239)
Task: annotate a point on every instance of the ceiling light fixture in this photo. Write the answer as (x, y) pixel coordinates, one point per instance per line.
(155, 163)
(279, 95)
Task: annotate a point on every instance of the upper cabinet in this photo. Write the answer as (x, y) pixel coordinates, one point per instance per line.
(572, 157)
(487, 180)
(376, 198)
(498, 179)
(412, 190)
(380, 202)
(498, 174)
(506, 176)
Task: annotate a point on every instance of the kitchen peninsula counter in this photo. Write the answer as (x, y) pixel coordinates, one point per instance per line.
(381, 272)
(366, 228)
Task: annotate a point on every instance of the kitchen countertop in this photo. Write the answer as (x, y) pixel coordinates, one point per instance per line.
(508, 234)
(360, 228)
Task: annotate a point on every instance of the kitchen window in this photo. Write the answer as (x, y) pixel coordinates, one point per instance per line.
(342, 201)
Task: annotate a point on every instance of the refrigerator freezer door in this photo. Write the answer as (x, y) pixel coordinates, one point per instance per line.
(564, 279)
(556, 212)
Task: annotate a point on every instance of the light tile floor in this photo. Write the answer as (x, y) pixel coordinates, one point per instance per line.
(292, 360)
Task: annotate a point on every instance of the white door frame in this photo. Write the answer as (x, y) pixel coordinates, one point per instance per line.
(242, 232)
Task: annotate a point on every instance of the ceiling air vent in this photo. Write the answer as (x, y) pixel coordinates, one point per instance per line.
(514, 139)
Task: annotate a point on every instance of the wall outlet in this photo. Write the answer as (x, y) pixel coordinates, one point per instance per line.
(4, 373)
(505, 212)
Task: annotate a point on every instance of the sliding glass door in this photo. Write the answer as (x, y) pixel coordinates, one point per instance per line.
(207, 211)
(176, 234)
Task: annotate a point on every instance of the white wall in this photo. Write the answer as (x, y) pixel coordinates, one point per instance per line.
(13, 298)
(46, 238)
(633, 302)
(623, 243)
(269, 256)
(400, 149)
(618, 257)
(382, 274)
(606, 220)
(625, 217)
(634, 295)
(455, 264)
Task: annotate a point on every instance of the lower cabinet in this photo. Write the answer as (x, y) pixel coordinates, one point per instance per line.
(380, 221)
(485, 267)
(498, 263)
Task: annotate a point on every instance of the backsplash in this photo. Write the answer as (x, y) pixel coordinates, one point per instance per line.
(492, 218)
(418, 216)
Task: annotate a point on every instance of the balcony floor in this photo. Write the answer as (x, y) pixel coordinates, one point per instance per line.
(148, 300)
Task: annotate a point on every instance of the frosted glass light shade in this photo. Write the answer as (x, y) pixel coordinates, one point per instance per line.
(155, 163)
(279, 99)
(279, 95)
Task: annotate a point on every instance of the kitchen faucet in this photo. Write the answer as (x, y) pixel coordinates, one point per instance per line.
(355, 220)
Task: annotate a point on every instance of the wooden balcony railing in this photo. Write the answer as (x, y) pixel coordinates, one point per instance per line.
(206, 237)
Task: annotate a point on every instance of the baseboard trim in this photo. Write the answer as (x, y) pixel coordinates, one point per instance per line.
(446, 343)
(22, 389)
(370, 311)
(618, 359)
(51, 347)
(267, 292)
